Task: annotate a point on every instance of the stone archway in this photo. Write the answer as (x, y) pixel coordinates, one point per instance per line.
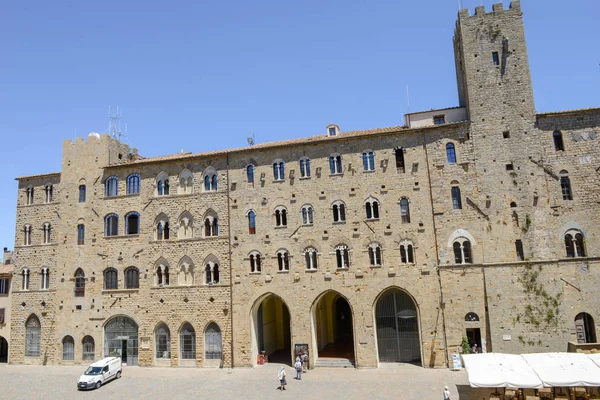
(271, 330)
(333, 330)
(397, 328)
(121, 339)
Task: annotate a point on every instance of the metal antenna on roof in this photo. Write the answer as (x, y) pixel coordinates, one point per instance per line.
(251, 139)
(114, 123)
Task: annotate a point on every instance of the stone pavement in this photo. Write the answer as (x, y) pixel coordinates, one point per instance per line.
(390, 382)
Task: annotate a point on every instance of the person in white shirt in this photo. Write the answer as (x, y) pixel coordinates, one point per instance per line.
(446, 393)
(298, 367)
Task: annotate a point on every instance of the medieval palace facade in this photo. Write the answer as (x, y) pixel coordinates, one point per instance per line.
(386, 245)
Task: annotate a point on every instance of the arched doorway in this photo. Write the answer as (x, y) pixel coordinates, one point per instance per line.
(121, 339)
(584, 328)
(3, 350)
(272, 326)
(397, 323)
(333, 328)
(213, 346)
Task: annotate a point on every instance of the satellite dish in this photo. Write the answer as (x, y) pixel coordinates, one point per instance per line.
(94, 134)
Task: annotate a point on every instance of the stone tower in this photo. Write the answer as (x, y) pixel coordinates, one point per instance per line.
(494, 84)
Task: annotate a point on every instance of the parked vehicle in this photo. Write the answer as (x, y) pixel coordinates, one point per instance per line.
(100, 372)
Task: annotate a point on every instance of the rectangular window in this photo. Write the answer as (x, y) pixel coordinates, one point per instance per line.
(506, 135)
(4, 286)
(332, 131)
(510, 167)
(519, 249)
(2, 316)
(439, 119)
(399, 159)
(495, 58)
(456, 200)
(80, 234)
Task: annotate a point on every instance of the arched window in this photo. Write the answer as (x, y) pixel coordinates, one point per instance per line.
(368, 158)
(79, 283)
(133, 184)
(186, 271)
(187, 342)
(111, 186)
(132, 223)
(25, 274)
(82, 193)
(255, 262)
(111, 225)
(304, 167)
(278, 170)
(68, 348)
(471, 317)
(210, 179)
(162, 340)
(456, 199)
(283, 260)
(450, 153)
(574, 243)
(45, 278)
(27, 235)
(48, 189)
(162, 272)
(339, 211)
(186, 226)
(250, 174)
(186, 182)
(374, 250)
(162, 228)
(81, 234)
(29, 194)
(407, 252)
(211, 272)
(565, 185)
(585, 328)
(558, 141)
(211, 224)
(342, 256)
(335, 164)
(111, 279)
(251, 222)
(307, 214)
(32, 337)
(372, 208)
(399, 152)
(310, 258)
(47, 228)
(132, 278)
(88, 348)
(162, 184)
(462, 251)
(280, 216)
(212, 342)
(404, 210)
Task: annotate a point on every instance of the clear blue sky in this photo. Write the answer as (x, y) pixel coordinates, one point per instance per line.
(200, 75)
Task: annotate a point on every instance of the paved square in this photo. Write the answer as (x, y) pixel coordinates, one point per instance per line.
(390, 382)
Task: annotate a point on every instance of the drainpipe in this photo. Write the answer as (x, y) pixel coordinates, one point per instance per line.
(435, 241)
(230, 267)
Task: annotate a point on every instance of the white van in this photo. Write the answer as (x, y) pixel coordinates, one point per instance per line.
(100, 372)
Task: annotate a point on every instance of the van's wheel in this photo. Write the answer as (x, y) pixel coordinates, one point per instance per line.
(98, 384)
(118, 374)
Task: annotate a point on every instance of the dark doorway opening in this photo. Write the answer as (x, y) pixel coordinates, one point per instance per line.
(272, 325)
(474, 338)
(3, 350)
(334, 327)
(585, 329)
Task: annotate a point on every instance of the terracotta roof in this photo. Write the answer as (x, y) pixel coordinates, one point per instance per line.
(568, 111)
(6, 269)
(311, 139)
(37, 176)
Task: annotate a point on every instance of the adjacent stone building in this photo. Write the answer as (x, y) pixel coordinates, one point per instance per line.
(476, 224)
(6, 270)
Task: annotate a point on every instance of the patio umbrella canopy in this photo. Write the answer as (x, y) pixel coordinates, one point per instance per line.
(595, 358)
(494, 370)
(564, 369)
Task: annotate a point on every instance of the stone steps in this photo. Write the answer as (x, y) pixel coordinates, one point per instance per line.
(334, 363)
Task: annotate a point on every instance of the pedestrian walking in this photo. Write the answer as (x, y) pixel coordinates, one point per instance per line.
(298, 367)
(446, 393)
(304, 359)
(281, 375)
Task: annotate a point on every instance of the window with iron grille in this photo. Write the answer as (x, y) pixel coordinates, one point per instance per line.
(68, 348)
(88, 348)
(187, 339)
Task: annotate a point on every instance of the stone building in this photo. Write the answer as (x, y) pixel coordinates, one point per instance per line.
(475, 224)
(6, 270)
